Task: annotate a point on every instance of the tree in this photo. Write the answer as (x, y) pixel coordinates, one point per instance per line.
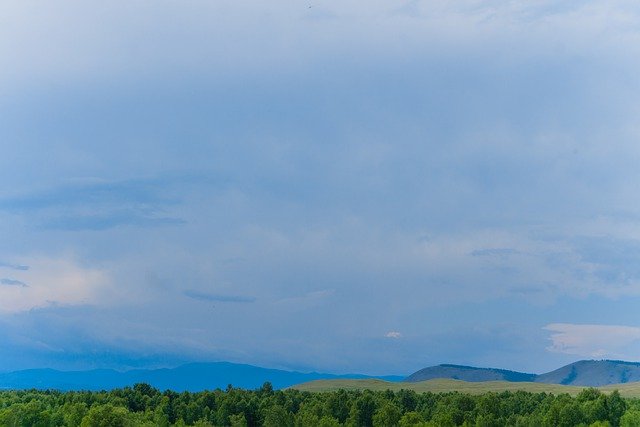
(362, 411)
(630, 419)
(277, 416)
(570, 415)
(106, 416)
(410, 419)
(487, 420)
(407, 400)
(617, 407)
(336, 405)
(328, 422)
(387, 415)
(237, 420)
(73, 413)
(266, 388)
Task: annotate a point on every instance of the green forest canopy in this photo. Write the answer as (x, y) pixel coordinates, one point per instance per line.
(143, 405)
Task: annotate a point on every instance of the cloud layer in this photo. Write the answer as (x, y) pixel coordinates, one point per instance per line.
(292, 186)
(595, 341)
(52, 282)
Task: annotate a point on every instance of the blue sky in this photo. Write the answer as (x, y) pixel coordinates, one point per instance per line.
(328, 185)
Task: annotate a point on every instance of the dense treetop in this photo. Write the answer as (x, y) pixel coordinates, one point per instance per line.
(143, 405)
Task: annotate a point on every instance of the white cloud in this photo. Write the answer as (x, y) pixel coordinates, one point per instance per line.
(52, 281)
(393, 335)
(597, 341)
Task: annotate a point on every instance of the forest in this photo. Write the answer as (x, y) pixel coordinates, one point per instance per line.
(143, 405)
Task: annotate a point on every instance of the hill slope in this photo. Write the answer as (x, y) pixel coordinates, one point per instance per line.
(448, 385)
(468, 373)
(435, 386)
(591, 373)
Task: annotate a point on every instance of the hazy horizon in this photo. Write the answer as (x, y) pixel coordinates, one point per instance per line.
(329, 185)
(395, 376)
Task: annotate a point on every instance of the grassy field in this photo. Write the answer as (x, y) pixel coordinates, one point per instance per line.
(444, 385)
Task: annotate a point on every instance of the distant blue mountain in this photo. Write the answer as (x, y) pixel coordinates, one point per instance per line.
(191, 377)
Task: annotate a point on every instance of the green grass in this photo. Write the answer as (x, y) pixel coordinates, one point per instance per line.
(445, 385)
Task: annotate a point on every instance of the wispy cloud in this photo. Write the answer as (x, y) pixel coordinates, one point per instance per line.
(98, 204)
(54, 282)
(204, 296)
(596, 341)
(14, 266)
(12, 282)
(100, 221)
(393, 335)
(140, 192)
(498, 252)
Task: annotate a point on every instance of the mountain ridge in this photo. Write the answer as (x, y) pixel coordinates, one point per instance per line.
(590, 373)
(209, 376)
(468, 373)
(188, 377)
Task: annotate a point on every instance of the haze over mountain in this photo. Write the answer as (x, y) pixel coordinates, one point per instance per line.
(591, 373)
(190, 377)
(208, 376)
(362, 186)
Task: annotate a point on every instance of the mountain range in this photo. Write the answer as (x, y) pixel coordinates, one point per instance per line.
(208, 376)
(190, 377)
(590, 373)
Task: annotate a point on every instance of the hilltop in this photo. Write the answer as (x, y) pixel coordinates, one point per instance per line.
(208, 376)
(591, 373)
(468, 373)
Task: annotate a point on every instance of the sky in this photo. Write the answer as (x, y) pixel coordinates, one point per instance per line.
(329, 185)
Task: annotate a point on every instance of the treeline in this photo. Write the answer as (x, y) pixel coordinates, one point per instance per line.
(143, 405)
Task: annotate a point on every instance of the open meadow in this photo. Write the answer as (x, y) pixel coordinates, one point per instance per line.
(630, 390)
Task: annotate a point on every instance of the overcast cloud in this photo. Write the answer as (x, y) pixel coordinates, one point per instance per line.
(350, 187)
